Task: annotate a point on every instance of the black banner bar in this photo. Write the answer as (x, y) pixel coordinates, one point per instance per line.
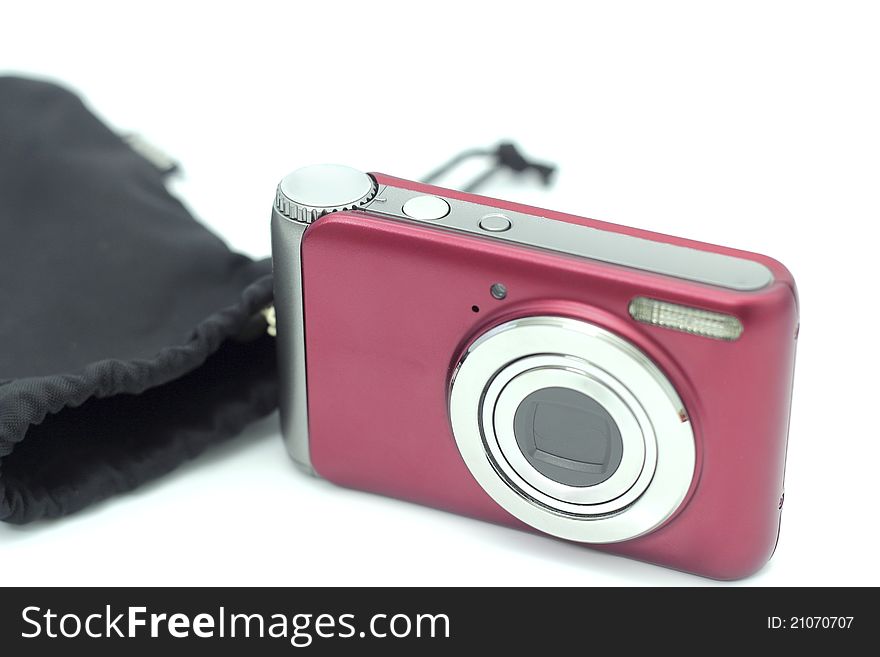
(400, 621)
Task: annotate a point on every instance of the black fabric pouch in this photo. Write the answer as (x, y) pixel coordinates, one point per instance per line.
(129, 333)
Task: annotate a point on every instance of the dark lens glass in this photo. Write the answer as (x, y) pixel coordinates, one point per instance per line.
(568, 436)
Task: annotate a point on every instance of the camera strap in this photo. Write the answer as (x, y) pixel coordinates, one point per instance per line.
(506, 156)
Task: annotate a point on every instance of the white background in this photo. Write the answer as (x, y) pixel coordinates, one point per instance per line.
(749, 124)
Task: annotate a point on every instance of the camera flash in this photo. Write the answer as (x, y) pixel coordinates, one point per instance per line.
(686, 319)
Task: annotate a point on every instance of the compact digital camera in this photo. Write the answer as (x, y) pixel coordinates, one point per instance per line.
(600, 384)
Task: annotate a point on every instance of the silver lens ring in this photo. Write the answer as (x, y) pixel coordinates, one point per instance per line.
(509, 361)
(527, 375)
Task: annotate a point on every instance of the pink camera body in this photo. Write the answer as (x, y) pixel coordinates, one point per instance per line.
(391, 309)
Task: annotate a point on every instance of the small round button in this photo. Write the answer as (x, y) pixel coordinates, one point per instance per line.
(495, 223)
(426, 208)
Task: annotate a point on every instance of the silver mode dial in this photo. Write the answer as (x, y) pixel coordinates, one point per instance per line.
(316, 190)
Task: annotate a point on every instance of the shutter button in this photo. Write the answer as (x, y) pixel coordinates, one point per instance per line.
(426, 208)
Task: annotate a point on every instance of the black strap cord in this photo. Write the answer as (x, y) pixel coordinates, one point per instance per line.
(506, 155)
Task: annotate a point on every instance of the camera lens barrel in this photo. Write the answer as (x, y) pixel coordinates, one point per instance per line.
(564, 423)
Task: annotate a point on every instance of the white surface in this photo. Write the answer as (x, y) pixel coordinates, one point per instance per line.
(426, 208)
(752, 125)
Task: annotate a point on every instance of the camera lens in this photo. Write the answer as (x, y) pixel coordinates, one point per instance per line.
(568, 437)
(571, 429)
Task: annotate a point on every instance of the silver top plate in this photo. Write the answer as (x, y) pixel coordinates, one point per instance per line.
(584, 242)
